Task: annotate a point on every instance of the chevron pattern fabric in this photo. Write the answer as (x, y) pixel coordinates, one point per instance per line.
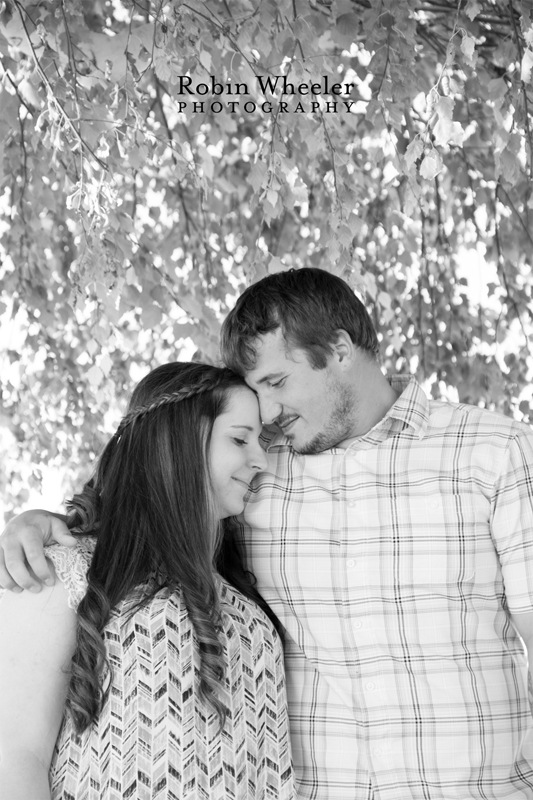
(155, 739)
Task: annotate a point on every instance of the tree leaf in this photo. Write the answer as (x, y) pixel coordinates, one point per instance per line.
(257, 175)
(473, 8)
(527, 66)
(468, 44)
(431, 165)
(205, 60)
(448, 132)
(95, 376)
(413, 152)
(276, 265)
(347, 24)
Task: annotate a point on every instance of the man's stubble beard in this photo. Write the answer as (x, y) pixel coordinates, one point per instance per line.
(339, 426)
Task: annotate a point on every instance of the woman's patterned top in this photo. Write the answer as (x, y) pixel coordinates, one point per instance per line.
(155, 739)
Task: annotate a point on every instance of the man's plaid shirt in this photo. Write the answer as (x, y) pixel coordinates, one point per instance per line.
(394, 565)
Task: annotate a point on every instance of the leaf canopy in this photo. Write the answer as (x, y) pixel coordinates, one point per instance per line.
(158, 156)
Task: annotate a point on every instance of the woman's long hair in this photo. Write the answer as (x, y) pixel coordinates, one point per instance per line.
(150, 505)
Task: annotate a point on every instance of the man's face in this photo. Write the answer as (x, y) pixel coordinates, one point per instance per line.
(315, 408)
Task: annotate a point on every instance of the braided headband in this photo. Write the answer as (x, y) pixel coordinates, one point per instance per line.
(206, 384)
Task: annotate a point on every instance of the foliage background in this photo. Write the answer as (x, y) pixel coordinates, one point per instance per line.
(131, 219)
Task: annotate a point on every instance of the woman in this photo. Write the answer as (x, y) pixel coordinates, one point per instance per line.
(170, 673)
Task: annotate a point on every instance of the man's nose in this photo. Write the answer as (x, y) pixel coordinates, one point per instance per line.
(269, 410)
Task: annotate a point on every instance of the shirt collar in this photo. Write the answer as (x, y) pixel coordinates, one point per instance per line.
(411, 408)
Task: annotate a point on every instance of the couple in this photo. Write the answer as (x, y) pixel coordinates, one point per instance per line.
(391, 536)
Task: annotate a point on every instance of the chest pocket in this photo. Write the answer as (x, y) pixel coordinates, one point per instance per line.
(434, 542)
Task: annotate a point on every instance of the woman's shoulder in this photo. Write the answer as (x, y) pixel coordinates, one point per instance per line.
(244, 611)
(71, 565)
(170, 605)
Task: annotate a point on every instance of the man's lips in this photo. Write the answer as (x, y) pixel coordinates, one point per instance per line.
(285, 424)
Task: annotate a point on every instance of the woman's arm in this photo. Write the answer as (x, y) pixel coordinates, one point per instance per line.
(37, 641)
(22, 561)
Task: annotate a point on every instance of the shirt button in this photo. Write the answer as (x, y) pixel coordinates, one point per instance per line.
(351, 503)
(357, 624)
(370, 686)
(350, 563)
(378, 751)
(434, 504)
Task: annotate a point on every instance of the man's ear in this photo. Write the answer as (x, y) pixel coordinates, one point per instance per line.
(344, 350)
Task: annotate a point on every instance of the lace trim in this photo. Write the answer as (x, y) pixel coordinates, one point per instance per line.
(71, 565)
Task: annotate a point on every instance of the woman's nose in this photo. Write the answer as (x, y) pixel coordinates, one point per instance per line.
(258, 459)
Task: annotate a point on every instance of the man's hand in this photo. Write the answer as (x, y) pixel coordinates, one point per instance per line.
(22, 561)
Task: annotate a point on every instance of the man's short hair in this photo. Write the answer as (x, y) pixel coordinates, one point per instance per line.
(310, 306)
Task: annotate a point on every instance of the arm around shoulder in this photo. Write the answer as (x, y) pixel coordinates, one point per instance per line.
(22, 561)
(38, 635)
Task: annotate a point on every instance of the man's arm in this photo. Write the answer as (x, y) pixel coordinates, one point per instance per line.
(511, 527)
(22, 561)
(524, 625)
(38, 635)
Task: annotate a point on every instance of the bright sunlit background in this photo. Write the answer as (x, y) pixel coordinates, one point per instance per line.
(54, 489)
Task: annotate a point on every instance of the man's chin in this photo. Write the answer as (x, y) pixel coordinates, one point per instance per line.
(305, 448)
(297, 446)
(312, 447)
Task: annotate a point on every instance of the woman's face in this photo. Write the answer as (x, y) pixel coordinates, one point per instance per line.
(235, 454)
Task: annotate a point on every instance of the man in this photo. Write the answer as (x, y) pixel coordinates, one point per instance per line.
(393, 537)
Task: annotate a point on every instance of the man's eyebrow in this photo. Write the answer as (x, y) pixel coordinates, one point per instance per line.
(269, 377)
